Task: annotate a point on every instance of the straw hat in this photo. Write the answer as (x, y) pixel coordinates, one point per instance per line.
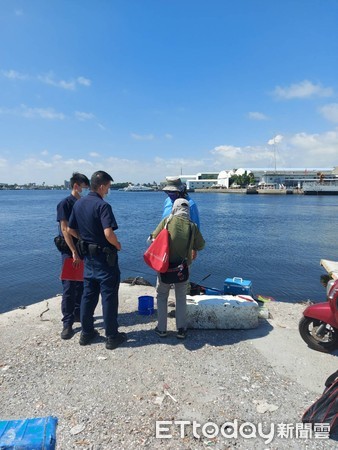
(174, 184)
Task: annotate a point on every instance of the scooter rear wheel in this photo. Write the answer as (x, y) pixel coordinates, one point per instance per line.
(324, 341)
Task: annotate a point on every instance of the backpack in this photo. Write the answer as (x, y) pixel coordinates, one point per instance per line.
(325, 409)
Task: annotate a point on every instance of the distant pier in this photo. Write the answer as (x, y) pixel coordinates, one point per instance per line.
(251, 191)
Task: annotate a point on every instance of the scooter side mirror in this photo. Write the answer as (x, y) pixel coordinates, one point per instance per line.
(333, 291)
(329, 287)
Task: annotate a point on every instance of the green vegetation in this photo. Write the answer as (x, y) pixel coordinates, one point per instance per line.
(243, 180)
(30, 186)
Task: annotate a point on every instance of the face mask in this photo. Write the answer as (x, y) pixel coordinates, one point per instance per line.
(173, 196)
(84, 192)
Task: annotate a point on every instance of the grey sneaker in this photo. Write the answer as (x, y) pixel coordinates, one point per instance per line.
(86, 338)
(67, 332)
(162, 334)
(181, 333)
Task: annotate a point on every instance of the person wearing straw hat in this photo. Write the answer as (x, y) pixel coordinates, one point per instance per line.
(176, 189)
(184, 242)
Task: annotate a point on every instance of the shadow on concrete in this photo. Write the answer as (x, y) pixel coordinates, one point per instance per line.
(196, 338)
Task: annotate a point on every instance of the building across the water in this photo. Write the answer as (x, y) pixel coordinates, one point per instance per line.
(202, 180)
(282, 178)
(294, 178)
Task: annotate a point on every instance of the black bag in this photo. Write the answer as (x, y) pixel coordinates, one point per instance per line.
(61, 245)
(175, 274)
(325, 409)
(81, 248)
(111, 256)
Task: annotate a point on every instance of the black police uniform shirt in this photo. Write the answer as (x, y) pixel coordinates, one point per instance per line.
(64, 209)
(90, 216)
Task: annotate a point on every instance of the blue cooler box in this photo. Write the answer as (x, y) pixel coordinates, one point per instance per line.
(28, 434)
(237, 286)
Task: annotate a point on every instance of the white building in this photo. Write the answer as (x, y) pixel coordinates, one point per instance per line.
(292, 178)
(200, 180)
(288, 178)
(223, 179)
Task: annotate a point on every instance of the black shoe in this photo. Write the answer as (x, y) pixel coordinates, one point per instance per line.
(114, 342)
(181, 333)
(67, 333)
(162, 334)
(172, 313)
(86, 338)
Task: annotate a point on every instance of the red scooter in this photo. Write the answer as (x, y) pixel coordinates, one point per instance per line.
(319, 326)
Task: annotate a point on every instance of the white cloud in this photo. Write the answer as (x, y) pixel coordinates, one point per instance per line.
(44, 153)
(30, 164)
(304, 89)
(101, 126)
(77, 163)
(255, 115)
(157, 169)
(84, 81)
(300, 150)
(18, 12)
(6, 111)
(229, 156)
(317, 147)
(83, 116)
(330, 112)
(227, 151)
(142, 137)
(3, 162)
(275, 140)
(67, 85)
(168, 136)
(43, 113)
(49, 79)
(14, 75)
(52, 171)
(174, 165)
(32, 113)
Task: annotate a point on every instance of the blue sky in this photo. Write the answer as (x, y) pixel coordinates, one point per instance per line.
(149, 88)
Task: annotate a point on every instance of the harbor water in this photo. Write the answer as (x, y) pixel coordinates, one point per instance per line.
(276, 241)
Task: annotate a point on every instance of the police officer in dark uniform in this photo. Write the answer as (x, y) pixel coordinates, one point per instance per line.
(72, 290)
(93, 222)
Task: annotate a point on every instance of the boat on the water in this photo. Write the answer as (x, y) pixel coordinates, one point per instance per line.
(137, 188)
(323, 187)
